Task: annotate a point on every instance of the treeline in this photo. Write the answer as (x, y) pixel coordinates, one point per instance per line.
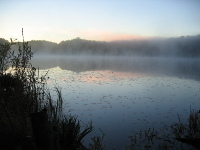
(2, 41)
(188, 46)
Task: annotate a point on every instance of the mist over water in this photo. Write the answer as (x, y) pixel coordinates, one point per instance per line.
(121, 94)
(174, 66)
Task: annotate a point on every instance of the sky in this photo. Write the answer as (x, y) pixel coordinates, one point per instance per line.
(101, 20)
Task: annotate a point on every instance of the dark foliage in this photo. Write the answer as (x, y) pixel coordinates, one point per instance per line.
(22, 94)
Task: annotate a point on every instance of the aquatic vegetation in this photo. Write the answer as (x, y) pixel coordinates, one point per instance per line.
(98, 142)
(67, 130)
(188, 132)
(169, 137)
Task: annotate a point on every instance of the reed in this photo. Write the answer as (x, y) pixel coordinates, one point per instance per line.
(67, 130)
(24, 92)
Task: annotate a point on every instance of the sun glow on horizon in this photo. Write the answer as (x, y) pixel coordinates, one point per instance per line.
(99, 35)
(98, 20)
(58, 36)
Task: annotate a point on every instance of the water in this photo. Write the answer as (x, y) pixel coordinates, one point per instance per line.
(121, 95)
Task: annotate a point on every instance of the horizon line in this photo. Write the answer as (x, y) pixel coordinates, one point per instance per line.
(116, 40)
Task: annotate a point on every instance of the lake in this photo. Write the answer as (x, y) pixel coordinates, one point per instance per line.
(124, 94)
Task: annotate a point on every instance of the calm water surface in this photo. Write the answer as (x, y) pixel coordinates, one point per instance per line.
(121, 100)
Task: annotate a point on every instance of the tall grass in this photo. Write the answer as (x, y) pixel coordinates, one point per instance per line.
(24, 92)
(67, 130)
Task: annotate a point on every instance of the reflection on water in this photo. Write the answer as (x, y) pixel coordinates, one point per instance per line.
(119, 100)
(182, 67)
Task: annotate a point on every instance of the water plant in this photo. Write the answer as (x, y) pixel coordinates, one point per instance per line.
(67, 131)
(188, 132)
(98, 142)
(179, 135)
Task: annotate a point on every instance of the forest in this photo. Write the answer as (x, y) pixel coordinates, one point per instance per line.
(184, 46)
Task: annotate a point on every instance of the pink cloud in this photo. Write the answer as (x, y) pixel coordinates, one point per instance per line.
(92, 34)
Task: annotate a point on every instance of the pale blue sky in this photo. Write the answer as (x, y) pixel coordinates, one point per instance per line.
(57, 20)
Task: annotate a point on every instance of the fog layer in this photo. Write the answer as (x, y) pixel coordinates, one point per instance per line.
(181, 67)
(170, 56)
(169, 47)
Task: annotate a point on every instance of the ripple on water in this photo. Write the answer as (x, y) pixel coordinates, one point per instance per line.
(123, 101)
